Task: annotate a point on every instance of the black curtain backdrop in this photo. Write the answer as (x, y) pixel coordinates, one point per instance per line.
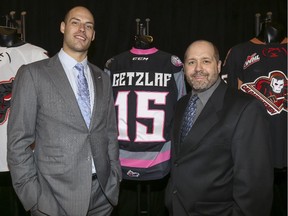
(174, 23)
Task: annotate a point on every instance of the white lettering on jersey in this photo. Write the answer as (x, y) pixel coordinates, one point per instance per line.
(140, 58)
(122, 102)
(251, 60)
(142, 111)
(141, 79)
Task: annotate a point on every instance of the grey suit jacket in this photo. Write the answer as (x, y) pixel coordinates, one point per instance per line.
(223, 167)
(57, 174)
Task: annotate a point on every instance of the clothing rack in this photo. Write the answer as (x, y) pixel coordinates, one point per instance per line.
(258, 22)
(19, 23)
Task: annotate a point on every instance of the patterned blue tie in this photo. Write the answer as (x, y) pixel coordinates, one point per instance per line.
(189, 116)
(83, 94)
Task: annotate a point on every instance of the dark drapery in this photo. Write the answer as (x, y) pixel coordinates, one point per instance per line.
(174, 23)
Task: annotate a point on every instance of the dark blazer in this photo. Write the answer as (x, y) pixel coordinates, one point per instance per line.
(44, 111)
(223, 167)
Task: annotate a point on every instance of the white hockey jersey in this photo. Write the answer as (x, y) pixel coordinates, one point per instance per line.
(11, 58)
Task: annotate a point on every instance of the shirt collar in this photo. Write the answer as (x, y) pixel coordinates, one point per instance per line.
(204, 96)
(68, 61)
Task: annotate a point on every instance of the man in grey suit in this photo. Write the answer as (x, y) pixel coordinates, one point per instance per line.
(74, 168)
(222, 166)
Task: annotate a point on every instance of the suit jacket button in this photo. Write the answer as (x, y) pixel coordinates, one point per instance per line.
(176, 164)
(175, 192)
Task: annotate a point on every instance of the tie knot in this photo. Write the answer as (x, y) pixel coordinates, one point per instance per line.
(194, 98)
(79, 67)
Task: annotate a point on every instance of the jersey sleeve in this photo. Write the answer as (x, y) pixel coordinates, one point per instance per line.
(108, 66)
(230, 69)
(177, 68)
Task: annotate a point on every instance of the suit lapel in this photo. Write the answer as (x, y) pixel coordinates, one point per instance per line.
(59, 78)
(98, 93)
(209, 116)
(61, 82)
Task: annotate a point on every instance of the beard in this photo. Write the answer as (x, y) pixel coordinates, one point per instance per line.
(202, 85)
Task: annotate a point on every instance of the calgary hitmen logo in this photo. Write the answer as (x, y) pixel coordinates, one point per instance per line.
(271, 90)
(5, 97)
